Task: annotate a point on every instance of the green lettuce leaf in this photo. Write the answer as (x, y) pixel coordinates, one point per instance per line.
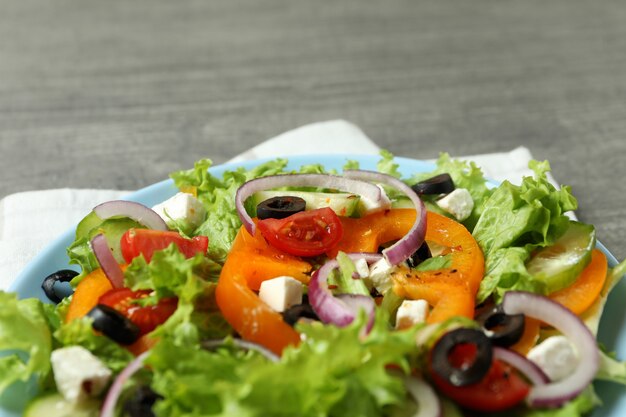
(25, 340)
(465, 175)
(514, 221)
(578, 407)
(193, 281)
(218, 198)
(611, 369)
(80, 333)
(387, 164)
(321, 380)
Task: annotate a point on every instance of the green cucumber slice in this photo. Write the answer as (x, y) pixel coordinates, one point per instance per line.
(344, 204)
(54, 405)
(113, 229)
(87, 224)
(559, 265)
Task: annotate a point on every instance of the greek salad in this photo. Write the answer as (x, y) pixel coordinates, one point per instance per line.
(274, 292)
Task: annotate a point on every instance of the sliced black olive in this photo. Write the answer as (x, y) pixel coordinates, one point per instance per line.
(503, 329)
(419, 256)
(295, 313)
(467, 374)
(280, 207)
(439, 184)
(140, 402)
(48, 285)
(113, 324)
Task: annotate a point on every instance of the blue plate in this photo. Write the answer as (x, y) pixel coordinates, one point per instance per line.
(28, 283)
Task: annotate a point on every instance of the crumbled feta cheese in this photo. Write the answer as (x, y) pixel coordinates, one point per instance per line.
(411, 312)
(459, 203)
(368, 206)
(555, 356)
(362, 268)
(182, 206)
(78, 373)
(380, 275)
(280, 293)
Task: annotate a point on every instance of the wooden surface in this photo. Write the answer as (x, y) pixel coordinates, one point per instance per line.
(116, 94)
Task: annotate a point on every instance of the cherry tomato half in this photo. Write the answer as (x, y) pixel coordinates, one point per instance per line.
(145, 242)
(307, 233)
(146, 318)
(499, 390)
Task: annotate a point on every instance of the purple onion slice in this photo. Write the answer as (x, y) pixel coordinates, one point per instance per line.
(554, 394)
(405, 247)
(135, 211)
(341, 310)
(362, 188)
(107, 261)
(428, 404)
(528, 368)
(242, 344)
(110, 401)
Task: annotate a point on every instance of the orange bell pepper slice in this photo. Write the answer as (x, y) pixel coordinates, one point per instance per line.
(529, 337)
(368, 233)
(87, 293)
(250, 262)
(259, 261)
(579, 296)
(450, 291)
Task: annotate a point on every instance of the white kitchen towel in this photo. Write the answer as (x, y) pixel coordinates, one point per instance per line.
(31, 220)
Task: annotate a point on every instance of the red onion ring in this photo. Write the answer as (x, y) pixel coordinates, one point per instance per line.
(528, 368)
(428, 404)
(336, 310)
(242, 344)
(405, 247)
(135, 211)
(107, 262)
(361, 188)
(556, 393)
(110, 401)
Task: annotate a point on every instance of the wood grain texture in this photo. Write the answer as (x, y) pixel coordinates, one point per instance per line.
(117, 94)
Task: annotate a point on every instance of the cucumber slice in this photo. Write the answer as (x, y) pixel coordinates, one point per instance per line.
(87, 224)
(344, 204)
(559, 265)
(54, 405)
(113, 230)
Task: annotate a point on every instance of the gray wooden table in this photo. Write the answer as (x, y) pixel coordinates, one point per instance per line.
(117, 94)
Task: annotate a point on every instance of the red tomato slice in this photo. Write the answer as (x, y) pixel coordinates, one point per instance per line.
(146, 318)
(501, 389)
(145, 242)
(307, 233)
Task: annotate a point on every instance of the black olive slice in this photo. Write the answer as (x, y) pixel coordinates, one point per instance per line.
(298, 311)
(439, 184)
(140, 402)
(467, 374)
(113, 324)
(48, 285)
(419, 256)
(279, 207)
(503, 329)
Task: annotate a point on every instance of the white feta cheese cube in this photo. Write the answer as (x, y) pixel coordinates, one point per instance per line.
(459, 203)
(380, 275)
(78, 373)
(368, 206)
(280, 293)
(411, 312)
(555, 356)
(182, 206)
(362, 268)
